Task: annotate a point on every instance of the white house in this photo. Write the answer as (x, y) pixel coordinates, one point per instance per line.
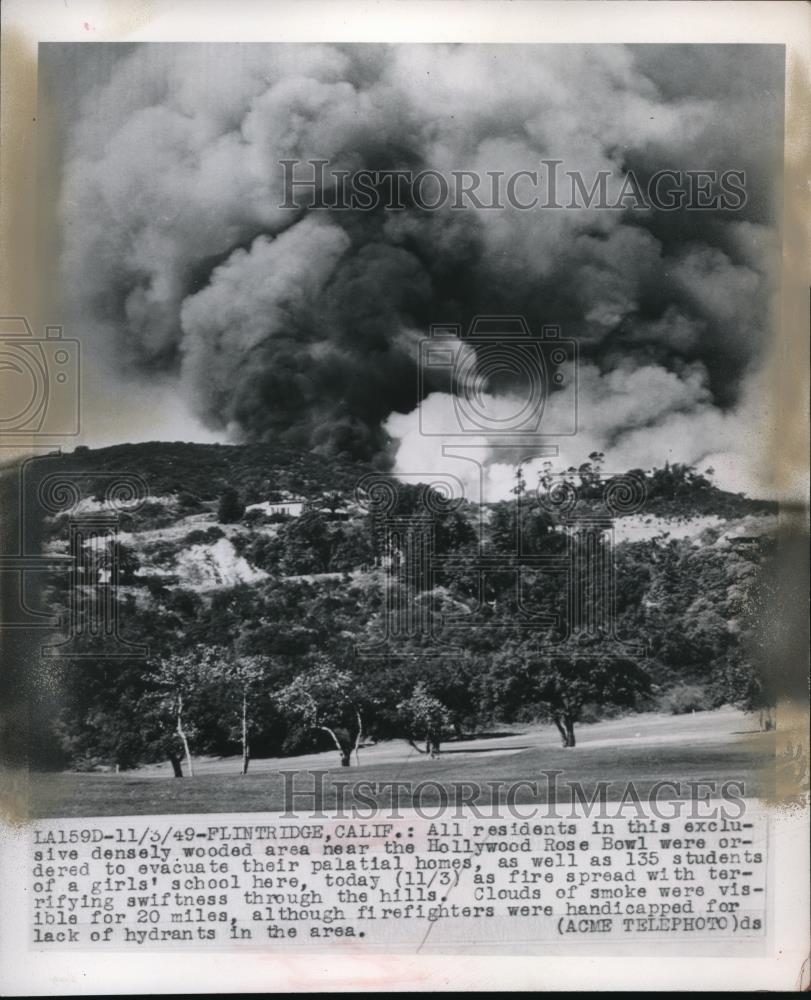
(292, 508)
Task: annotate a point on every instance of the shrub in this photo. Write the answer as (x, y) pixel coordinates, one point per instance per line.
(423, 716)
(300, 739)
(186, 602)
(161, 552)
(684, 698)
(231, 508)
(189, 502)
(155, 584)
(151, 516)
(58, 525)
(88, 761)
(262, 552)
(204, 536)
(593, 711)
(278, 517)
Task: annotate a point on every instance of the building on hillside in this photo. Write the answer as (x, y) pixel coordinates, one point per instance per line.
(291, 508)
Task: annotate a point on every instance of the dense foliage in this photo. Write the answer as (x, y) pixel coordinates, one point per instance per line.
(304, 655)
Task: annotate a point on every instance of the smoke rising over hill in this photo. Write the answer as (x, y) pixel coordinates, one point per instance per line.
(302, 327)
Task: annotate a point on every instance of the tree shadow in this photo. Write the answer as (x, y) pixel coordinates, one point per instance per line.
(468, 737)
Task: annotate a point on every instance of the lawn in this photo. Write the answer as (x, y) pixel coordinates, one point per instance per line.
(715, 746)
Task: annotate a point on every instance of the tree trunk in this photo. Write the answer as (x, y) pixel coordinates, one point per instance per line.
(181, 733)
(343, 753)
(246, 753)
(177, 769)
(358, 737)
(565, 724)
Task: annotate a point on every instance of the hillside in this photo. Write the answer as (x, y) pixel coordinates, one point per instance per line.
(301, 584)
(178, 538)
(206, 469)
(260, 471)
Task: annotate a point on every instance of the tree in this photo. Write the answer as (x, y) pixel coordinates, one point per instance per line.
(128, 563)
(589, 474)
(188, 502)
(179, 682)
(231, 508)
(333, 501)
(424, 717)
(352, 549)
(99, 715)
(565, 683)
(520, 487)
(502, 527)
(749, 675)
(242, 676)
(307, 545)
(326, 698)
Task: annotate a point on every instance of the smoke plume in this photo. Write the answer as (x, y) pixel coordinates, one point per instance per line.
(302, 327)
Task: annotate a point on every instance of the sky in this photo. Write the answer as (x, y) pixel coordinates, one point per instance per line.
(208, 312)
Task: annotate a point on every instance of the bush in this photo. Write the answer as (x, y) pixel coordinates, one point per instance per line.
(155, 584)
(88, 761)
(189, 502)
(185, 602)
(278, 517)
(151, 516)
(685, 698)
(204, 536)
(231, 507)
(593, 711)
(56, 526)
(162, 552)
(300, 739)
(262, 552)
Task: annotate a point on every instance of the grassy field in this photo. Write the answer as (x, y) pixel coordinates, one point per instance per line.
(714, 746)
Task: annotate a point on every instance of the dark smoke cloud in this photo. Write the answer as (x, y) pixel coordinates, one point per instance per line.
(303, 327)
